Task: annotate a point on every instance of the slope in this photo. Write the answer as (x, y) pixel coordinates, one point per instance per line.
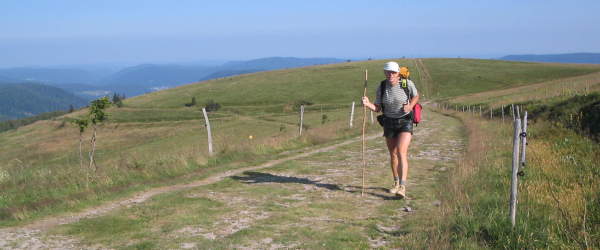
(156, 139)
(27, 99)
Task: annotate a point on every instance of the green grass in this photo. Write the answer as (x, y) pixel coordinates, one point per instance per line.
(557, 197)
(306, 203)
(455, 77)
(155, 140)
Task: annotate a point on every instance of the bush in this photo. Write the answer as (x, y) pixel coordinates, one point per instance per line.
(193, 103)
(299, 103)
(211, 105)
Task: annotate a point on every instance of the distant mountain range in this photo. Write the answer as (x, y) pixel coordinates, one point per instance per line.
(557, 58)
(146, 78)
(29, 91)
(18, 100)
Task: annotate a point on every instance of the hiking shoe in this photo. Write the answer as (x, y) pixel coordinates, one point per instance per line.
(395, 189)
(401, 191)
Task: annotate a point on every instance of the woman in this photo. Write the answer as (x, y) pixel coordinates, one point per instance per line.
(398, 125)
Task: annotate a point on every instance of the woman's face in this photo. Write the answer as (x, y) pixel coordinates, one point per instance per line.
(392, 76)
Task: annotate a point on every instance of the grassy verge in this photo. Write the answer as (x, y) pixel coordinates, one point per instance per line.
(308, 203)
(31, 190)
(558, 196)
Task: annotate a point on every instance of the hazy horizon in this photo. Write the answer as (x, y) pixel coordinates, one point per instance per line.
(68, 32)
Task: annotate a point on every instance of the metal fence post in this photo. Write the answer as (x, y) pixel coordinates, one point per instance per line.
(515, 167)
(524, 140)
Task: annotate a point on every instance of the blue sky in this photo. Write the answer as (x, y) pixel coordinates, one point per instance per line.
(63, 32)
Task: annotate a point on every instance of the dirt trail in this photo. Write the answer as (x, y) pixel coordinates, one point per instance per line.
(332, 176)
(31, 236)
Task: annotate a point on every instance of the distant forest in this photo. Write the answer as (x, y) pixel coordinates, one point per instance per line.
(19, 100)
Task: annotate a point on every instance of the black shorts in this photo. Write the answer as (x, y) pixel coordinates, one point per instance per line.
(399, 125)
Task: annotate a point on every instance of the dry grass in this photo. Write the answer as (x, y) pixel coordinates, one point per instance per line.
(557, 197)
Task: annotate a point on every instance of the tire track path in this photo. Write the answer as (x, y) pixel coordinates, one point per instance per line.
(32, 236)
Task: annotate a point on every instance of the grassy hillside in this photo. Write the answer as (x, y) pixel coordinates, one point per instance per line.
(456, 77)
(558, 195)
(155, 139)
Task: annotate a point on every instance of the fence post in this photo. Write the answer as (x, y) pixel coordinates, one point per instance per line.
(512, 111)
(524, 140)
(502, 113)
(515, 167)
(352, 115)
(301, 118)
(491, 113)
(210, 146)
(480, 113)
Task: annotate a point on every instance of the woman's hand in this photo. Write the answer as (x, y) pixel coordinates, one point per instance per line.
(365, 101)
(407, 108)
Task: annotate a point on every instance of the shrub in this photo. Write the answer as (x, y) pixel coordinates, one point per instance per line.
(211, 105)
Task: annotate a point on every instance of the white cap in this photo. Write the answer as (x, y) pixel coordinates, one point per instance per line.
(391, 66)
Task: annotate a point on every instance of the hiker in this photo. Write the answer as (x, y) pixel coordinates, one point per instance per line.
(396, 120)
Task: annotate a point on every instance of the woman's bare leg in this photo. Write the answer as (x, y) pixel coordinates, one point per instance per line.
(393, 147)
(404, 142)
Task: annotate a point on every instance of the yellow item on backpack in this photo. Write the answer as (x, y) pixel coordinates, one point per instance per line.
(404, 72)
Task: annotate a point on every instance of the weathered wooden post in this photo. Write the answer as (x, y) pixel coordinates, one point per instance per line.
(491, 113)
(515, 169)
(352, 115)
(209, 133)
(512, 111)
(301, 119)
(480, 113)
(502, 113)
(524, 140)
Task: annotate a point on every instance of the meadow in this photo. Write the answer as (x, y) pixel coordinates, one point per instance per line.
(156, 140)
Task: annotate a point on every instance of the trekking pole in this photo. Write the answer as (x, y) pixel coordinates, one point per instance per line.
(362, 192)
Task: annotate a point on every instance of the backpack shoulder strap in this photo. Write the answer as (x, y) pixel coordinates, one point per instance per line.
(404, 85)
(381, 92)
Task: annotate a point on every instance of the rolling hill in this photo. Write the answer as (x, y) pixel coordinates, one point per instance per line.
(27, 99)
(557, 58)
(156, 138)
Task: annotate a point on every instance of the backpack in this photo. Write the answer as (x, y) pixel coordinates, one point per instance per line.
(417, 109)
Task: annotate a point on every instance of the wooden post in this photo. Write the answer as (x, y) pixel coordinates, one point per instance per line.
(210, 146)
(512, 111)
(524, 140)
(491, 113)
(352, 115)
(503, 113)
(301, 118)
(480, 113)
(515, 168)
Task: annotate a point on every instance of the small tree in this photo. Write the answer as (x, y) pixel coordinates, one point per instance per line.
(193, 103)
(118, 100)
(97, 115)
